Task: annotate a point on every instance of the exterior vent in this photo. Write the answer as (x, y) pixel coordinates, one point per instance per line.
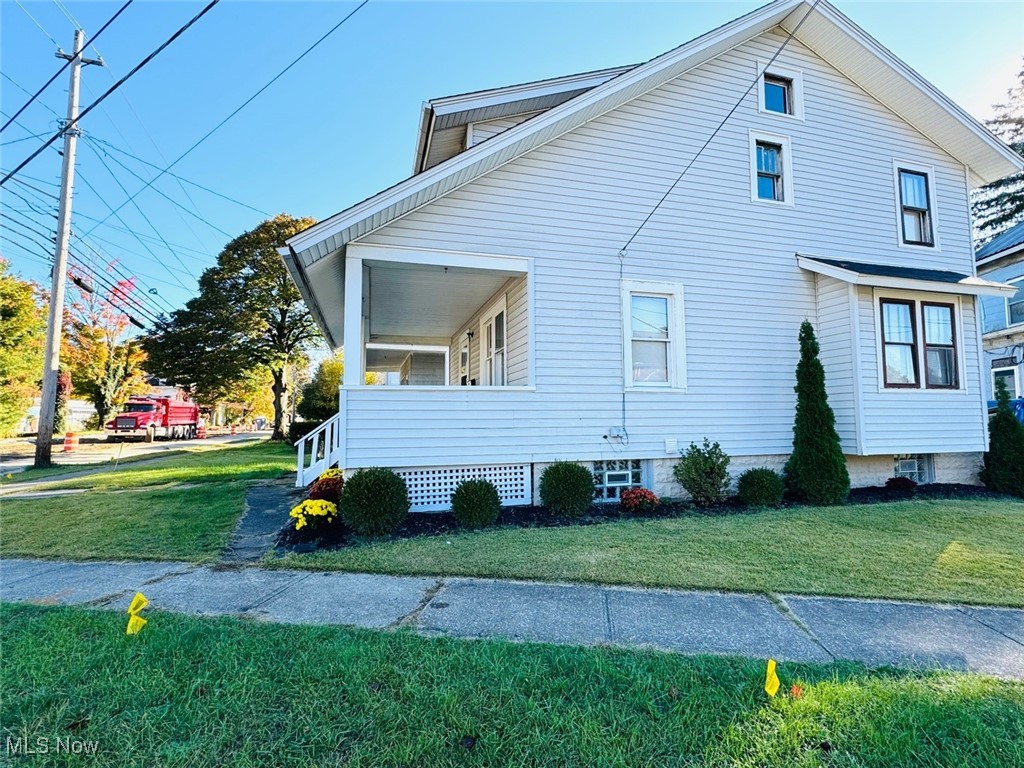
(430, 490)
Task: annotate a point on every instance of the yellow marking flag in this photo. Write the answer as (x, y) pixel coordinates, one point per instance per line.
(138, 603)
(771, 680)
(135, 625)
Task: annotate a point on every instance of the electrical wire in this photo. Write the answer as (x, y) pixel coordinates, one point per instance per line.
(245, 103)
(67, 64)
(36, 22)
(72, 123)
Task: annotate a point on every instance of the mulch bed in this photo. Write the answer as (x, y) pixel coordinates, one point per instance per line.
(338, 535)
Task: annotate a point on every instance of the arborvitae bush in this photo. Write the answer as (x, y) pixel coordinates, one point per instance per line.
(761, 487)
(1003, 468)
(476, 503)
(374, 502)
(566, 488)
(704, 473)
(816, 472)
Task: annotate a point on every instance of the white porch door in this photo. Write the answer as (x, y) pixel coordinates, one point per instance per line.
(493, 368)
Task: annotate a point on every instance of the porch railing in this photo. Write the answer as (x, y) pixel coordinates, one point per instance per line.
(320, 449)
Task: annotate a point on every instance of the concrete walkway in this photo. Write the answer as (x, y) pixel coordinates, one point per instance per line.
(784, 627)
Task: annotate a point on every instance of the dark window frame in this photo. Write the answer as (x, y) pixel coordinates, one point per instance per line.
(913, 344)
(925, 345)
(778, 181)
(927, 212)
(784, 82)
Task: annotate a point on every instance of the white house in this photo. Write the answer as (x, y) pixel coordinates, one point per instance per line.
(1002, 317)
(498, 282)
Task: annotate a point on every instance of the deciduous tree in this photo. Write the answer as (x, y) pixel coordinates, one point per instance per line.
(22, 338)
(1000, 204)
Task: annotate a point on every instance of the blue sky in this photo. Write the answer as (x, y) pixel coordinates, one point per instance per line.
(342, 124)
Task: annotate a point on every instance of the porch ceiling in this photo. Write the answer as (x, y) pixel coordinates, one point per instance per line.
(417, 300)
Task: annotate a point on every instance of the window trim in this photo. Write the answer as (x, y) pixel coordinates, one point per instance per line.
(496, 308)
(1016, 393)
(796, 95)
(918, 298)
(933, 213)
(1013, 281)
(676, 337)
(914, 344)
(763, 137)
(924, 344)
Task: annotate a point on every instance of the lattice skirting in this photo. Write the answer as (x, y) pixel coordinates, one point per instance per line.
(431, 489)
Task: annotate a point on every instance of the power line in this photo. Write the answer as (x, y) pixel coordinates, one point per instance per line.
(34, 21)
(23, 138)
(67, 64)
(72, 123)
(714, 133)
(112, 264)
(245, 103)
(48, 260)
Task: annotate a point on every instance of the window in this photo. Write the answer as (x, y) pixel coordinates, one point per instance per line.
(771, 169)
(1009, 376)
(615, 475)
(918, 344)
(492, 349)
(778, 94)
(780, 91)
(915, 207)
(1015, 304)
(916, 467)
(939, 346)
(899, 343)
(464, 362)
(653, 335)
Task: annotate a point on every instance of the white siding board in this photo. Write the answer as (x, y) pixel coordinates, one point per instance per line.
(573, 203)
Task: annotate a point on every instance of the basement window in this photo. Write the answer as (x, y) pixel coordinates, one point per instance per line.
(918, 467)
(613, 476)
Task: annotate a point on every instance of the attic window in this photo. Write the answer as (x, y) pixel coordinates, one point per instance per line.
(778, 94)
(780, 91)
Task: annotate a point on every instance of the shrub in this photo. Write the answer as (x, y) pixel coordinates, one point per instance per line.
(475, 503)
(328, 486)
(374, 502)
(900, 484)
(314, 513)
(566, 488)
(761, 487)
(299, 429)
(816, 472)
(704, 473)
(1003, 468)
(638, 500)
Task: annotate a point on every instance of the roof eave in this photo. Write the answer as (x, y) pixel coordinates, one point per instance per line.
(298, 274)
(969, 286)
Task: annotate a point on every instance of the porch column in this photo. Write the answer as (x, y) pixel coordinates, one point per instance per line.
(353, 341)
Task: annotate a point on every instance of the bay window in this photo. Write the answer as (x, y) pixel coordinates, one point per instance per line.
(918, 344)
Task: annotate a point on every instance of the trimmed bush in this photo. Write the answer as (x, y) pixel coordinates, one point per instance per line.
(704, 473)
(566, 489)
(1003, 468)
(761, 487)
(375, 502)
(476, 503)
(328, 486)
(904, 484)
(638, 500)
(816, 472)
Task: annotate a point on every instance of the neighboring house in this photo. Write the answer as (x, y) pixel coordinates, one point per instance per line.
(836, 191)
(1002, 317)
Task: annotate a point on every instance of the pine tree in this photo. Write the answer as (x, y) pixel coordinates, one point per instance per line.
(1000, 205)
(816, 472)
(1003, 470)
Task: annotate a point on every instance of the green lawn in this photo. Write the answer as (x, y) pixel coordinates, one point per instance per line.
(178, 508)
(955, 551)
(198, 692)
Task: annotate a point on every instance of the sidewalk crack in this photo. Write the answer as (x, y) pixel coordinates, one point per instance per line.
(267, 598)
(609, 626)
(412, 618)
(783, 608)
(998, 631)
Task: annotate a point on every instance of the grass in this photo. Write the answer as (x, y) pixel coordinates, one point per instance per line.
(177, 508)
(946, 551)
(196, 692)
(33, 474)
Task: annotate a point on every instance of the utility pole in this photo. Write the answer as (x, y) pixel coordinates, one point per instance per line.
(51, 363)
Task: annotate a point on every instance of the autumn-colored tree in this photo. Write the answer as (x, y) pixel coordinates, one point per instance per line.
(105, 364)
(22, 338)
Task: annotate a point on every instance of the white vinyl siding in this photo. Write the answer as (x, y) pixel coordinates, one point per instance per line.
(835, 329)
(572, 204)
(516, 332)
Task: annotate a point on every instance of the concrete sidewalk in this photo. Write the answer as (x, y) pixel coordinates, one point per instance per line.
(785, 627)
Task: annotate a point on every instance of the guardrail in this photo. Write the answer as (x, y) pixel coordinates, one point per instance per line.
(319, 450)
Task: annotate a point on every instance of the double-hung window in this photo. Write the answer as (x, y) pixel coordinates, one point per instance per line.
(653, 336)
(916, 218)
(492, 346)
(1015, 304)
(919, 340)
(771, 168)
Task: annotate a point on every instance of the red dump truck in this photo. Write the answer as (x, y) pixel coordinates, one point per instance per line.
(148, 418)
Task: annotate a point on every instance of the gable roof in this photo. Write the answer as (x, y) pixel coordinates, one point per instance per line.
(825, 30)
(1008, 241)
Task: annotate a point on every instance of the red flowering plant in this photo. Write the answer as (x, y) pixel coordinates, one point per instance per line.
(328, 486)
(638, 500)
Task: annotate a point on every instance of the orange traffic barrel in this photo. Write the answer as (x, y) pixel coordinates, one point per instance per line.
(201, 432)
(70, 442)
(232, 429)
